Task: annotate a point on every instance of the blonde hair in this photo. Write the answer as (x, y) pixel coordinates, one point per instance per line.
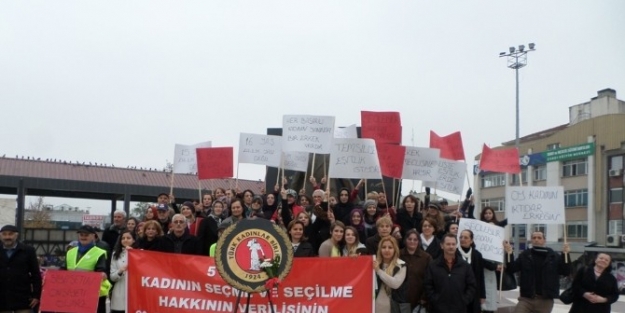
(393, 263)
(372, 196)
(384, 220)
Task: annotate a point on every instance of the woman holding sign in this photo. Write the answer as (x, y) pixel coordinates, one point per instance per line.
(490, 276)
(468, 253)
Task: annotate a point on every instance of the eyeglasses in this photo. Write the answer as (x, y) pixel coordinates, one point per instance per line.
(178, 222)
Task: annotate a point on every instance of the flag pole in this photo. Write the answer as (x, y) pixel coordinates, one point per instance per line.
(236, 184)
(171, 182)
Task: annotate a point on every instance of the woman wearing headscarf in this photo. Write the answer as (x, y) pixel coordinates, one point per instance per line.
(208, 231)
(356, 219)
(467, 252)
(417, 261)
(344, 206)
(370, 217)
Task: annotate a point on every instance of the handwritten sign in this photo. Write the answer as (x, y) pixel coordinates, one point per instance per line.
(450, 145)
(214, 162)
(260, 149)
(421, 164)
(70, 291)
(540, 205)
(307, 133)
(501, 161)
(185, 159)
(346, 132)
(488, 238)
(391, 159)
(93, 220)
(451, 175)
(354, 158)
(383, 127)
(295, 161)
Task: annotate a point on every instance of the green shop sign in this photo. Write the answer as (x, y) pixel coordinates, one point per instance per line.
(569, 153)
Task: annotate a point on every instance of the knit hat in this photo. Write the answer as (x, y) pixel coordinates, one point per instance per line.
(434, 205)
(370, 203)
(291, 193)
(189, 205)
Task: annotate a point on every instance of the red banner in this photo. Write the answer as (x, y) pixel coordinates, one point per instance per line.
(214, 162)
(70, 291)
(383, 127)
(391, 159)
(501, 161)
(161, 282)
(450, 145)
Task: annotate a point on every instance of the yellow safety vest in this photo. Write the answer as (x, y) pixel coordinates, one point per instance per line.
(88, 263)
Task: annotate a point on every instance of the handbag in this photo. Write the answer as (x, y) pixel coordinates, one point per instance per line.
(509, 281)
(567, 296)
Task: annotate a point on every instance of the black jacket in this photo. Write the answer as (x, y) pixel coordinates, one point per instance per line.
(144, 244)
(449, 290)
(207, 233)
(605, 286)
(407, 222)
(305, 249)
(434, 249)
(110, 236)
(373, 243)
(553, 266)
(398, 295)
(20, 279)
(189, 244)
(477, 266)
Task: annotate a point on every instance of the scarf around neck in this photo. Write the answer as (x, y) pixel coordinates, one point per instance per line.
(466, 255)
(426, 243)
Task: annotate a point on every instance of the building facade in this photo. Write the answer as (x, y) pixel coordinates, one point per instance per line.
(586, 157)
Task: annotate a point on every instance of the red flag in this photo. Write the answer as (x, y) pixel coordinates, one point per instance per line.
(391, 159)
(383, 127)
(214, 162)
(450, 145)
(501, 161)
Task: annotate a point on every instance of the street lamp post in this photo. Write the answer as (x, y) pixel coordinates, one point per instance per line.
(517, 59)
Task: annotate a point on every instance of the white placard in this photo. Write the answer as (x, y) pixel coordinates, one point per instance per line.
(488, 238)
(93, 220)
(354, 158)
(421, 164)
(295, 161)
(307, 133)
(185, 158)
(535, 205)
(260, 149)
(346, 132)
(451, 176)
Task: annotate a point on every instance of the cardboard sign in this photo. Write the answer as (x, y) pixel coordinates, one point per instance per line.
(421, 164)
(535, 205)
(295, 161)
(451, 176)
(501, 160)
(346, 132)
(450, 145)
(214, 162)
(391, 159)
(172, 283)
(354, 158)
(307, 133)
(260, 149)
(383, 127)
(185, 159)
(70, 291)
(488, 238)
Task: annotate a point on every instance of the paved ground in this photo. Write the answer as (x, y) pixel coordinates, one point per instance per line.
(509, 299)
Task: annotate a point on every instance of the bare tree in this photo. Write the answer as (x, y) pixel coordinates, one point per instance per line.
(38, 215)
(139, 210)
(169, 166)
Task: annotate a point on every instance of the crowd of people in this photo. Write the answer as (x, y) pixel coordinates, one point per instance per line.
(421, 262)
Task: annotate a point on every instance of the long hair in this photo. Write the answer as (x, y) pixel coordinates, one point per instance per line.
(291, 225)
(483, 219)
(117, 251)
(393, 263)
(440, 220)
(351, 250)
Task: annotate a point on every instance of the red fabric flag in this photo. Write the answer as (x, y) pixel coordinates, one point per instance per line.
(214, 162)
(450, 145)
(501, 161)
(391, 159)
(383, 127)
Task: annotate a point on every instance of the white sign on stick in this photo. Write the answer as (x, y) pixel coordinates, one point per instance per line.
(421, 164)
(346, 132)
(295, 161)
(535, 205)
(185, 158)
(93, 220)
(451, 176)
(307, 133)
(260, 149)
(354, 158)
(488, 238)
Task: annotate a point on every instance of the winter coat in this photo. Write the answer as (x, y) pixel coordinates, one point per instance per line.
(207, 233)
(604, 286)
(373, 243)
(144, 244)
(434, 249)
(477, 266)
(305, 249)
(118, 295)
(553, 266)
(416, 265)
(18, 275)
(449, 290)
(407, 222)
(189, 244)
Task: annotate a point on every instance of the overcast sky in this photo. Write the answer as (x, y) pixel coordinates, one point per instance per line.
(121, 82)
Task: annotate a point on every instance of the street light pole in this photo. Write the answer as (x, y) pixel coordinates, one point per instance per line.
(517, 59)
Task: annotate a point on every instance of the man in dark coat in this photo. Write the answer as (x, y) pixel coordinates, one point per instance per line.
(179, 240)
(449, 281)
(20, 279)
(111, 234)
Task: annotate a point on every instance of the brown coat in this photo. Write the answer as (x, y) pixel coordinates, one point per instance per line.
(416, 265)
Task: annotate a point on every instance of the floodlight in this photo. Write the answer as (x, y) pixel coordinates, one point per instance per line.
(511, 49)
(532, 45)
(521, 48)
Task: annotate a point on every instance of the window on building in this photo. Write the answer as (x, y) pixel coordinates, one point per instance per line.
(576, 198)
(574, 168)
(540, 227)
(493, 180)
(615, 227)
(515, 177)
(498, 204)
(522, 230)
(616, 195)
(540, 172)
(553, 146)
(616, 162)
(577, 229)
